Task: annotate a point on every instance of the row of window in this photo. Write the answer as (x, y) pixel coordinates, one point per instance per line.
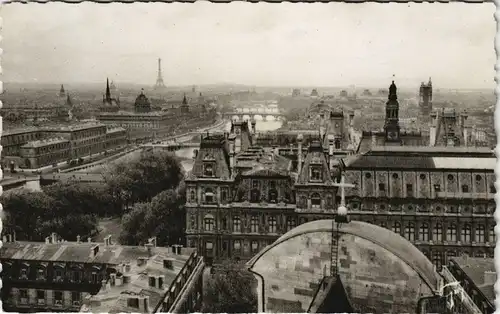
(422, 176)
(75, 276)
(424, 233)
(41, 297)
(425, 209)
(451, 235)
(20, 139)
(437, 189)
(237, 247)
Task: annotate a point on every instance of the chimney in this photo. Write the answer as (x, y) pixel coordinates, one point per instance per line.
(299, 152)
(107, 240)
(4, 239)
(89, 240)
(77, 239)
(118, 281)
(94, 250)
(127, 267)
(144, 304)
(149, 247)
(47, 240)
(54, 237)
(168, 263)
(112, 279)
(490, 277)
(152, 241)
(104, 285)
(13, 236)
(126, 279)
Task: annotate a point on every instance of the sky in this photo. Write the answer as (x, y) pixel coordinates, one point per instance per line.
(286, 44)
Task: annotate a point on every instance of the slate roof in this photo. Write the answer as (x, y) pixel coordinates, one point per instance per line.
(385, 238)
(474, 268)
(112, 299)
(263, 163)
(212, 147)
(315, 155)
(419, 162)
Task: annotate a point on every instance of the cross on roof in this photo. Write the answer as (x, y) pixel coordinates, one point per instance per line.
(342, 185)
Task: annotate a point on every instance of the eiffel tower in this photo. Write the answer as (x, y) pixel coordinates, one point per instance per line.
(159, 81)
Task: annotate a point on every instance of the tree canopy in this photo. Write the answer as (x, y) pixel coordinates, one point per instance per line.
(141, 179)
(35, 215)
(230, 290)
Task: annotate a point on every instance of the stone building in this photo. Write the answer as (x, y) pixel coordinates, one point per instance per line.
(142, 103)
(35, 147)
(61, 276)
(425, 102)
(450, 128)
(439, 198)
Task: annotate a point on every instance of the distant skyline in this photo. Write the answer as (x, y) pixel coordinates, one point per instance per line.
(334, 44)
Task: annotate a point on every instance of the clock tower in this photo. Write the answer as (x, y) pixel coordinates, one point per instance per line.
(391, 126)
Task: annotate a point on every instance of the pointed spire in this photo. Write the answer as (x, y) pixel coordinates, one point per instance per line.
(62, 89)
(430, 81)
(68, 101)
(108, 92)
(184, 100)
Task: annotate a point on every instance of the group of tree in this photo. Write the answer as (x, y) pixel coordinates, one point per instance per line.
(147, 192)
(231, 289)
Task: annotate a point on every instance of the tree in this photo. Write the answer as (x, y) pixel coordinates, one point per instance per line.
(164, 217)
(35, 215)
(230, 290)
(83, 198)
(141, 179)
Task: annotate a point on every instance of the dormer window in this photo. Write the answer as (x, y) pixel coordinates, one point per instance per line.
(193, 196)
(208, 170)
(40, 275)
(23, 273)
(315, 200)
(315, 174)
(337, 144)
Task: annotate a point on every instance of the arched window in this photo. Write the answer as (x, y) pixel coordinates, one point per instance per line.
(255, 196)
(410, 232)
(423, 232)
(209, 222)
(193, 196)
(236, 224)
(465, 234)
(273, 196)
(396, 228)
(479, 234)
(451, 233)
(254, 224)
(437, 232)
(209, 196)
(315, 200)
(290, 223)
(272, 224)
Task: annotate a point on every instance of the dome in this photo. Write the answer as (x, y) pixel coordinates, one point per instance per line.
(380, 269)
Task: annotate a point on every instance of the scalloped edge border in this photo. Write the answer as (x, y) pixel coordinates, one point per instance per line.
(497, 93)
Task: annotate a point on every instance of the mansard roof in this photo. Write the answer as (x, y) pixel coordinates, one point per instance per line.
(315, 156)
(213, 148)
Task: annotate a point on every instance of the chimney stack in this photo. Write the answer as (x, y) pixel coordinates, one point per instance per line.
(144, 304)
(149, 247)
(89, 240)
(47, 240)
(78, 239)
(54, 237)
(4, 239)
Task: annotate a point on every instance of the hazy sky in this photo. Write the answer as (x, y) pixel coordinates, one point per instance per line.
(285, 44)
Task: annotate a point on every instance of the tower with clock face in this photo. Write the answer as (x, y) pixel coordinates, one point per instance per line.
(391, 126)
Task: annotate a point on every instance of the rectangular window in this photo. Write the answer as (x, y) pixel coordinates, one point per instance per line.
(58, 298)
(237, 245)
(409, 190)
(254, 224)
(437, 188)
(40, 295)
(23, 296)
(272, 224)
(236, 224)
(465, 188)
(381, 187)
(255, 246)
(209, 245)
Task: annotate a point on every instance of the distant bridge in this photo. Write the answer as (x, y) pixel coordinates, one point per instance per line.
(243, 116)
(50, 178)
(172, 146)
(12, 183)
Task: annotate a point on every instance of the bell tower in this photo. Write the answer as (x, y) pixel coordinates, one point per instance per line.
(391, 126)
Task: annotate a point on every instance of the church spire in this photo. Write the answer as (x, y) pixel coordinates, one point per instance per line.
(108, 92)
(184, 100)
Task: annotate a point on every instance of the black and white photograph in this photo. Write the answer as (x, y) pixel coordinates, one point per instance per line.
(248, 157)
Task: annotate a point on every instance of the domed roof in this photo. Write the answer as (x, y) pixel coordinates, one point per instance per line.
(380, 270)
(382, 237)
(141, 99)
